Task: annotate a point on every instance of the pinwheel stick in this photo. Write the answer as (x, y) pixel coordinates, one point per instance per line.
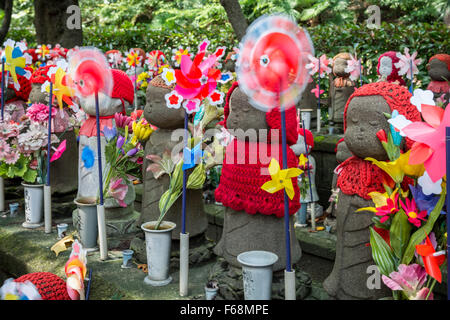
(100, 207)
(447, 145)
(184, 237)
(313, 222)
(412, 75)
(318, 102)
(2, 188)
(47, 188)
(3, 86)
(88, 291)
(360, 73)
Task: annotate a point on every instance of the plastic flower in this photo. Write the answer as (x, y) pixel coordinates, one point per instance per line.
(61, 91)
(141, 131)
(115, 58)
(316, 91)
(142, 80)
(313, 66)
(154, 60)
(118, 191)
(192, 157)
(353, 68)
(11, 157)
(122, 121)
(423, 201)
(4, 148)
(428, 186)
(109, 133)
(281, 179)
(410, 209)
(38, 112)
(431, 261)
(421, 97)
(385, 205)
(398, 168)
(397, 123)
(410, 279)
(406, 62)
(429, 136)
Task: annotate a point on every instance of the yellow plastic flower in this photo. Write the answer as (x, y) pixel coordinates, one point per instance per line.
(142, 77)
(281, 179)
(398, 168)
(141, 131)
(302, 160)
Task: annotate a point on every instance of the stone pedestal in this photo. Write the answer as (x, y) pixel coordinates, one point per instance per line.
(64, 171)
(244, 232)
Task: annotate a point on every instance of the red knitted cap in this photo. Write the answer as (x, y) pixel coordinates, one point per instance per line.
(396, 96)
(40, 75)
(49, 285)
(273, 118)
(442, 57)
(25, 86)
(394, 73)
(123, 87)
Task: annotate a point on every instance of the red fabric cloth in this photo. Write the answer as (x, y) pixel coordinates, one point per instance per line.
(358, 176)
(394, 74)
(89, 127)
(49, 285)
(241, 179)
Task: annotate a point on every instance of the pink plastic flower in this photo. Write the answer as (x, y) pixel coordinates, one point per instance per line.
(118, 191)
(123, 120)
(4, 149)
(410, 209)
(9, 130)
(38, 112)
(389, 209)
(12, 157)
(410, 279)
(429, 136)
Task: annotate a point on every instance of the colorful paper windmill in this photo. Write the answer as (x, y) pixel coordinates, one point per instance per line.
(58, 151)
(155, 61)
(15, 61)
(177, 54)
(272, 48)
(43, 52)
(133, 59)
(195, 81)
(61, 91)
(114, 57)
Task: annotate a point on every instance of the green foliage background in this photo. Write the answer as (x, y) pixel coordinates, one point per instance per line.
(334, 25)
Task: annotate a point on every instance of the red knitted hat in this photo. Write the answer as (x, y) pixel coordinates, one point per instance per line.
(25, 86)
(123, 87)
(394, 73)
(396, 96)
(40, 75)
(442, 57)
(49, 285)
(273, 118)
(309, 136)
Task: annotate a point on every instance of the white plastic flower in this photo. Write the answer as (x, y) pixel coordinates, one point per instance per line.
(421, 97)
(428, 186)
(400, 122)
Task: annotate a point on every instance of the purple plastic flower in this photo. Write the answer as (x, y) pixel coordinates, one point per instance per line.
(120, 142)
(423, 201)
(132, 152)
(109, 133)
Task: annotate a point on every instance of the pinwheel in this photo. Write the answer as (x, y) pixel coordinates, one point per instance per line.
(155, 60)
(115, 58)
(354, 68)
(192, 157)
(177, 54)
(431, 261)
(58, 151)
(281, 179)
(61, 91)
(317, 92)
(91, 75)
(408, 65)
(43, 52)
(271, 70)
(75, 270)
(133, 61)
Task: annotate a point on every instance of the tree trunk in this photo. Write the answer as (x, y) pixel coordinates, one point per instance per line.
(7, 7)
(235, 16)
(54, 24)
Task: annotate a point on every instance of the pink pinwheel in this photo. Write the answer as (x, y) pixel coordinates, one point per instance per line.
(58, 151)
(313, 66)
(429, 137)
(118, 191)
(354, 68)
(404, 64)
(316, 91)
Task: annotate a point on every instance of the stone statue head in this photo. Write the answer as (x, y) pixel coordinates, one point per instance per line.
(156, 111)
(342, 152)
(36, 95)
(340, 63)
(364, 116)
(439, 67)
(243, 117)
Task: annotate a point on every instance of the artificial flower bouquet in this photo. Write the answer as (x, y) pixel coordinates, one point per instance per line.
(23, 147)
(124, 154)
(409, 235)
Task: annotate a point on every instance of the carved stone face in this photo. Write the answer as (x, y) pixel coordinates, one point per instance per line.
(364, 119)
(36, 96)
(438, 70)
(339, 67)
(157, 113)
(244, 116)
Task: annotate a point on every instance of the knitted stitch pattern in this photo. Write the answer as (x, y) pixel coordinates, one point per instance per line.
(49, 285)
(25, 86)
(359, 176)
(123, 87)
(394, 73)
(40, 75)
(240, 184)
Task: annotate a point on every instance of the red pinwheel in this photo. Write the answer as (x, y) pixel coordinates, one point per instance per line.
(431, 261)
(90, 72)
(271, 63)
(59, 151)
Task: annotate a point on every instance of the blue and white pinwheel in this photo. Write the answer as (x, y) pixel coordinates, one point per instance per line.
(192, 157)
